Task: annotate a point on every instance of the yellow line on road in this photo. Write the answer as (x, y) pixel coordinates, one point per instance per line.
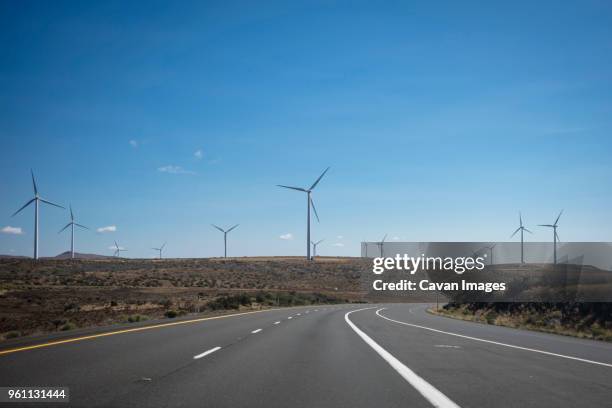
(135, 329)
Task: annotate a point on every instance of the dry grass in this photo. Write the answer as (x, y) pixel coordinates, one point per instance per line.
(582, 325)
(53, 294)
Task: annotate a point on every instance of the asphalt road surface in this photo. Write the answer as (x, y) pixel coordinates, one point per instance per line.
(322, 356)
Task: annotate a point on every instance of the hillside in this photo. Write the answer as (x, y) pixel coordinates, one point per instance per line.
(55, 294)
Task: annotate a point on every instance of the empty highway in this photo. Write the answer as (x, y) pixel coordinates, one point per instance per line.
(322, 356)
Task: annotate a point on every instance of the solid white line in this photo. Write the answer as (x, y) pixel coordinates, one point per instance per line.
(207, 352)
(299, 314)
(431, 394)
(256, 331)
(494, 342)
(277, 322)
(290, 318)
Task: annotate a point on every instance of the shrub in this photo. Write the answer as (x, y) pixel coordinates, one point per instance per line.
(12, 335)
(171, 314)
(68, 326)
(137, 318)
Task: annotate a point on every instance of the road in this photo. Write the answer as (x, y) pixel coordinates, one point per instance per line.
(322, 356)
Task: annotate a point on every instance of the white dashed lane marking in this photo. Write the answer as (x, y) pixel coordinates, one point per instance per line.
(207, 352)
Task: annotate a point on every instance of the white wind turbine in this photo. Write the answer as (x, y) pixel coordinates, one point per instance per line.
(314, 247)
(522, 229)
(160, 249)
(555, 235)
(36, 200)
(309, 204)
(225, 232)
(118, 250)
(381, 245)
(72, 224)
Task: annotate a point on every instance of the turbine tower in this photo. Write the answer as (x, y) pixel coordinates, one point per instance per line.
(309, 204)
(522, 229)
(490, 248)
(224, 237)
(72, 224)
(118, 250)
(314, 247)
(160, 249)
(555, 235)
(381, 245)
(36, 200)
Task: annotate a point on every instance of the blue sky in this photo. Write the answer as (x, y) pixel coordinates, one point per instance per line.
(440, 121)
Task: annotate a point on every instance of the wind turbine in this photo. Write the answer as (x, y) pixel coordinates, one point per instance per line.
(314, 247)
(36, 200)
(555, 235)
(309, 203)
(490, 248)
(72, 224)
(522, 229)
(224, 237)
(160, 249)
(381, 244)
(118, 249)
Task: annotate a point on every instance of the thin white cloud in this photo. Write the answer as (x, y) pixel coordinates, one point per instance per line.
(340, 237)
(198, 154)
(109, 228)
(134, 143)
(286, 236)
(174, 170)
(338, 244)
(12, 230)
(395, 238)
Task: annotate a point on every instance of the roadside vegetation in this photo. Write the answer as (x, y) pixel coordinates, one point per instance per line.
(62, 295)
(584, 320)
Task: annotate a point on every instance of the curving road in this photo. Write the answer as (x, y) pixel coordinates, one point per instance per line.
(325, 356)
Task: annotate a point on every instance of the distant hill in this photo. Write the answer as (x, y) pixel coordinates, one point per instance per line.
(66, 255)
(12, 256)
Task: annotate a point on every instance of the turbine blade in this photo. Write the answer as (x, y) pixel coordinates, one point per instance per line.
(319, 179)
(557, 235)
(233, 227)
(163, 246)
(520, 219)
(293, 188)
(116, 245)
(525, 229)
(546, 225)
(219, 228)
(383, 240)
(314, 209)
(67, 225)
(34, 182)
(559, 216)
(71, 214)
(82, 226)
(50, 203)
(25, 205)
(320, 241)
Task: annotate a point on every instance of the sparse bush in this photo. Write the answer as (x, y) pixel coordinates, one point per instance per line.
(12, 334)
(137, 318)
(171, 314)
(68, 326)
